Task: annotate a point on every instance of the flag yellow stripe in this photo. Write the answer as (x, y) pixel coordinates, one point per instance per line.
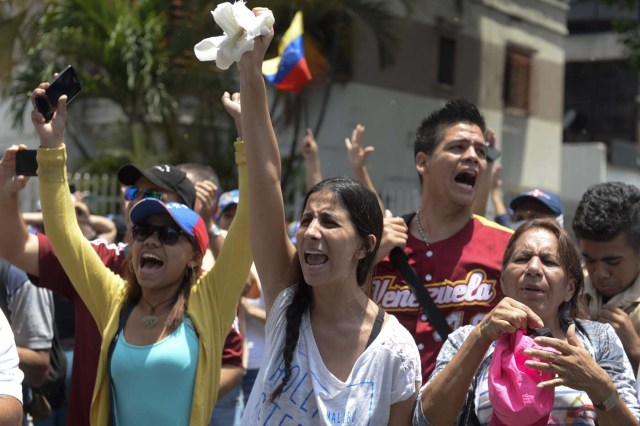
(296, 29)
(270, 66)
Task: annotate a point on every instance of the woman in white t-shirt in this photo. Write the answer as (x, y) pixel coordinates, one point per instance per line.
(322, 362)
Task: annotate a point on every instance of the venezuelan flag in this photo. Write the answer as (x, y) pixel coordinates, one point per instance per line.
(289, 71)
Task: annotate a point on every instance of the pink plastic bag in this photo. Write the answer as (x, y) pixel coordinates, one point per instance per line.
(513, 391)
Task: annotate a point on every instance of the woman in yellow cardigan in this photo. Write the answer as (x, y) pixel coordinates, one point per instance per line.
(164, 327)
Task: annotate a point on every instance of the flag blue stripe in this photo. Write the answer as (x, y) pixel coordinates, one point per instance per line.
(290, 57)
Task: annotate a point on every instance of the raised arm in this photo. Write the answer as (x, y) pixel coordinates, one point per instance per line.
(95, 284)
(17, 245)
(274, 255)
(357, 154)
(312, 173)
(234, 262)
(500, 210)
(484, 186)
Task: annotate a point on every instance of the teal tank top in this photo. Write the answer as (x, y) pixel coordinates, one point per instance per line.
(153, 385)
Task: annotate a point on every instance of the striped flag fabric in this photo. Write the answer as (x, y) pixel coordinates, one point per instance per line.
(289, 71)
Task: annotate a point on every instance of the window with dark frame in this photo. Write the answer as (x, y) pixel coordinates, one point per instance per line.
(517, 79)
(446, 60)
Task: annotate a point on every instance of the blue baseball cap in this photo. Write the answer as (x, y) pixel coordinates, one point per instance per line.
(549, 199)
(226, 199)
(189, 221)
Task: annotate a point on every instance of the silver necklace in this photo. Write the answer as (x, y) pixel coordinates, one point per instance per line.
(422, 234)
(150, 321)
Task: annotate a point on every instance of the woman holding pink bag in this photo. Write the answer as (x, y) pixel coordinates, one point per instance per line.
(502, 371)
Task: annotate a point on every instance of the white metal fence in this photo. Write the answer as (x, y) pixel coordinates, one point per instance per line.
(103, 192)
(104, 196)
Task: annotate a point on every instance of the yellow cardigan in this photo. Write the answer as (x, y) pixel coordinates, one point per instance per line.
(213, 299)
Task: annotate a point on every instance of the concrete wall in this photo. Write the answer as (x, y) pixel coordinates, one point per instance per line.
(594, 47)
(583, 165)
(392, 102)
(531, 143)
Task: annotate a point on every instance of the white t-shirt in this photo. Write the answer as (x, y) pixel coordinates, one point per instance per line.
(385, 373)
(10, 375)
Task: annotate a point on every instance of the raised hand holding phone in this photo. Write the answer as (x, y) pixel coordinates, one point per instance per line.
(49, 132)
(10, 182)
(65, 83)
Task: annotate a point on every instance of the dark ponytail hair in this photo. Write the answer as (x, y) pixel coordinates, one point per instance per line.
(301, 302)
(366, 217)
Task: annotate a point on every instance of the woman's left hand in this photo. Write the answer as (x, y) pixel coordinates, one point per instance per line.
(573, 366)
(52, 132)
(252, 60)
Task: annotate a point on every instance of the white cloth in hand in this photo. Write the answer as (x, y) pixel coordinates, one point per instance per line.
(240, 27)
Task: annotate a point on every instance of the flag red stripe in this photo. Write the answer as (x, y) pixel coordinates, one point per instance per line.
(296, 78)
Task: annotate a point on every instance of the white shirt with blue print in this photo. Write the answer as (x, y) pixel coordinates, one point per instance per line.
(385, 373)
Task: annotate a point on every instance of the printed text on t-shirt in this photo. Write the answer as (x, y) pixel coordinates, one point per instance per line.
(475, 289)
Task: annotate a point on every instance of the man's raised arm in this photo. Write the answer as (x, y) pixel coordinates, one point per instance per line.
(17, 245)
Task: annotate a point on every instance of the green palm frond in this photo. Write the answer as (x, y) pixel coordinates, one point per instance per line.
(11, 26)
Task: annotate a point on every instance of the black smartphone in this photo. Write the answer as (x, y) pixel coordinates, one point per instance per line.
(26, 164)
(66, 83)
(539, 332)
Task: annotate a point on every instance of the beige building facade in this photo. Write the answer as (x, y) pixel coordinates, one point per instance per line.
(507, 56)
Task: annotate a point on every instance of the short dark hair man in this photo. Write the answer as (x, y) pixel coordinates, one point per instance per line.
(458, 255)
(607, 227)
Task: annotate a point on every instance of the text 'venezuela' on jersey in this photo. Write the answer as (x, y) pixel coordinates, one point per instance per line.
(462, 275)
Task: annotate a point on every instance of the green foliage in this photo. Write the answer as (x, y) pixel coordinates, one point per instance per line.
(133, 53)
(628, 29)
(139, 55)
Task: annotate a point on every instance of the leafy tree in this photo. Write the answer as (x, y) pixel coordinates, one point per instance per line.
(138, 54)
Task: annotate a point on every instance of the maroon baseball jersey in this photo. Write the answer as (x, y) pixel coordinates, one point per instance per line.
(462, 275)
(233, 348)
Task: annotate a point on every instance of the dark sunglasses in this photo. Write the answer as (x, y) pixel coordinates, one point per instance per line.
(167, 234)
(133, 192)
